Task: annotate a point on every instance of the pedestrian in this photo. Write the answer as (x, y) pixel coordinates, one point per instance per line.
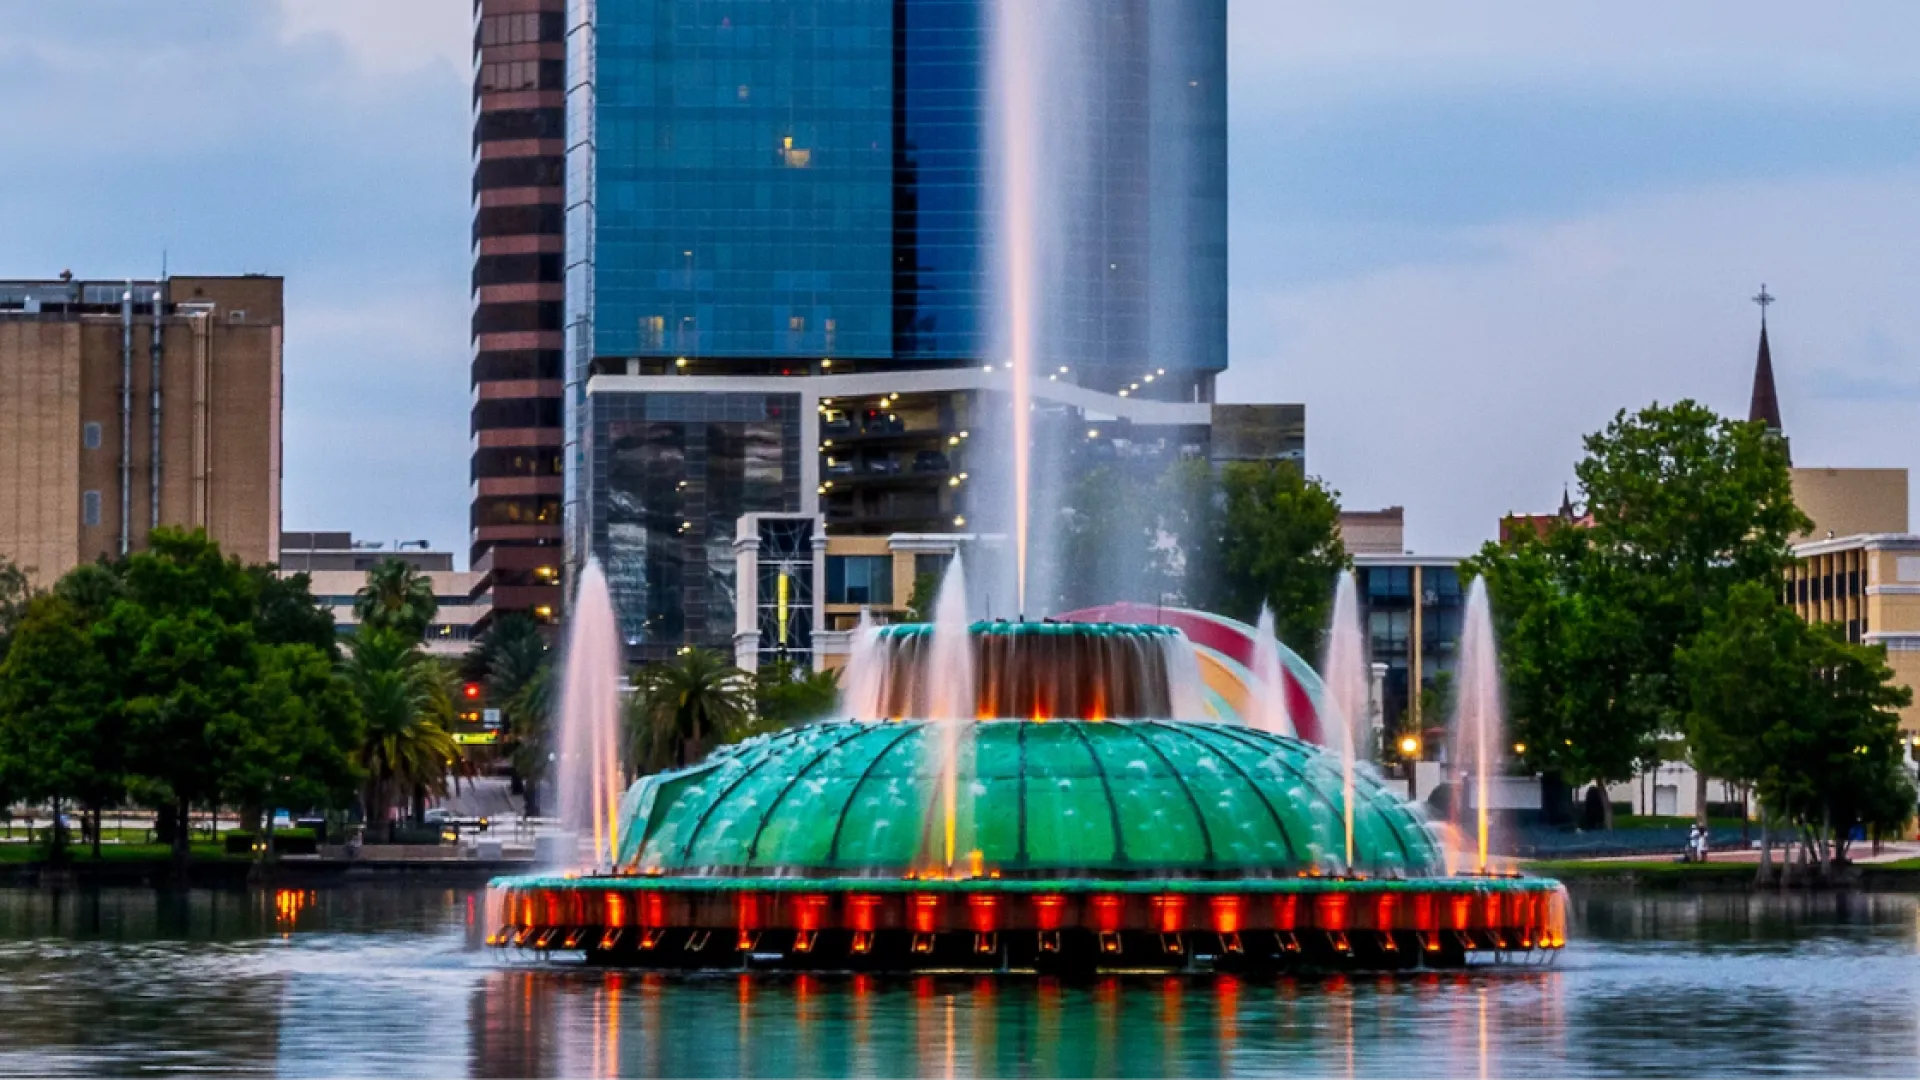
(1700, 854)
(1693, 843)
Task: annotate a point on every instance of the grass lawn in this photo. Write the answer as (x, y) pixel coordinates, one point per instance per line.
(201, 851)
(1648, 821)
(1645, 867)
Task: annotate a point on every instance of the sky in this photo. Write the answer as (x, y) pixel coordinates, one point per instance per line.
(1464, 234)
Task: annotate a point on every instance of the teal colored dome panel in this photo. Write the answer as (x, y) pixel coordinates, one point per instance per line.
(1113, 797)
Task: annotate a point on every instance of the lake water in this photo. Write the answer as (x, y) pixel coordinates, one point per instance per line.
(378, 982)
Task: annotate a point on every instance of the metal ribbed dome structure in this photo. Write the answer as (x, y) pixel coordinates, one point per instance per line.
(1121, 798)
(1071, 823)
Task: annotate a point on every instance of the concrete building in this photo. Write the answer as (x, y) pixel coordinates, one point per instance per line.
(125, 405)
(1374, 532)
(337, 567)
(1868, 585)
(519, 241)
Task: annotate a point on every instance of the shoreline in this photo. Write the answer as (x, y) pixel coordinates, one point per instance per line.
(294, 872)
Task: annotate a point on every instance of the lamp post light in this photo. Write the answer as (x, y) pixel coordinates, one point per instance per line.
(1410, 751)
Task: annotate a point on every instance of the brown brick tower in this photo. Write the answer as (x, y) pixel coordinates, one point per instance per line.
(519, 146)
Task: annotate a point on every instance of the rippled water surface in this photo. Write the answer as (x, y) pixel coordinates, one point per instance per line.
(378, 982)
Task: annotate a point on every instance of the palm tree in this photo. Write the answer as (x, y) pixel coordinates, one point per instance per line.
(682, 706)
(786, 694)
(530, 733)
(408, 749)
(396, 597)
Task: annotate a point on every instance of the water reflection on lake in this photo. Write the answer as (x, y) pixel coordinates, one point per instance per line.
(364, 981)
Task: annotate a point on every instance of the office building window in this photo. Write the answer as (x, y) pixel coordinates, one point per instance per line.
(90, 436)
(90, 508)
(860, 579)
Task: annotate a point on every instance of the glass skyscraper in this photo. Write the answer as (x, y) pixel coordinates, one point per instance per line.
(802, 188)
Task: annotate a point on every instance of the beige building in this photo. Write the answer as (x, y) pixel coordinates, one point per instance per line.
(1851, 502)
(1870, 586)
(337, 566)
(126, 405)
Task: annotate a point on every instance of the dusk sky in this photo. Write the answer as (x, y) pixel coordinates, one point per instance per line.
(1463, 234)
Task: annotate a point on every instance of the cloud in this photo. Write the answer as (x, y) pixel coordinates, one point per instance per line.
(1461, 388)
(386, 36)
(323, 141)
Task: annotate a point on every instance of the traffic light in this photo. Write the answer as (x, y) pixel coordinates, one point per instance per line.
(471, 691)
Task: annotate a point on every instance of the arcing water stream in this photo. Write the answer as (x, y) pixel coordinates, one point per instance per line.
(1345, 673)
(1478, 719)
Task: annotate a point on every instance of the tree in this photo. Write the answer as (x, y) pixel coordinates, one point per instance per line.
(58, 722)
(1747, 674)
(1575, 701)
(396, 597)
(181, 640)
(288, 614)
(926, 591)
(299, 750)
(1279, 545)
(1684, 507)
(407, 746)
(529, 722)
(15, 590)
(786, 695)
(684, 706)
(513, 660)
(1106, 538)
(1828, 770)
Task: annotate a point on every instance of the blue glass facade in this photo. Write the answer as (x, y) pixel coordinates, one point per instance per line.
(808, 179)
(744, 161)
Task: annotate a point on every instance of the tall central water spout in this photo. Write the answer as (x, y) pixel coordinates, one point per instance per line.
(950, 695)
(1345, 671)
(590, 775)
(1017, 117)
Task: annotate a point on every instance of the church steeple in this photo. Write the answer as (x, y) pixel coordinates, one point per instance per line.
(1765, 407)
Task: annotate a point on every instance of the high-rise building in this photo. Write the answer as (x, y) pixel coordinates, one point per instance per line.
(519, 173)
(126, 405)
(781, 275)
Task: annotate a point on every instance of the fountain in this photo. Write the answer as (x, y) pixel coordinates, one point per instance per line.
(590, 775)
(1049, 811)
(1478, 727)
(1270, 710)
(1345, 671)
(1035, 795)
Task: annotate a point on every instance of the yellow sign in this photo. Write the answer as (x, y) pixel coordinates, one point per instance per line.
(476, 738)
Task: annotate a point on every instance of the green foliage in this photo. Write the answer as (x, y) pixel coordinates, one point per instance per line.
(517, 667)
(181, 640)
(1279, 545)
(685, 706)
(15, 591)
(529, 722)
(786, 695)
(181, 678)
(289, 615)
(926, 590)
(1685, 507)
(406, 708)
(1576, 698)
(396, 597)
(59, 727)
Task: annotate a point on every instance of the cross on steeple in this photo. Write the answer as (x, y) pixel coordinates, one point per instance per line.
(1765, 407)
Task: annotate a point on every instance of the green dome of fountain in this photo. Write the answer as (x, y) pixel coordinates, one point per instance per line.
(1094, 798)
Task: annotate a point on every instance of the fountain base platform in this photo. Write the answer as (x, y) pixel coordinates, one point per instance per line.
(1039, 925)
